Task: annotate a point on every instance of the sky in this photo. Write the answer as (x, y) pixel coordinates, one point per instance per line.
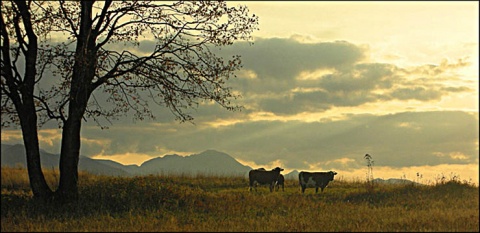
(325, 83)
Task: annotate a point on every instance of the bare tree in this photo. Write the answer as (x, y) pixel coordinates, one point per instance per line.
(71, 61)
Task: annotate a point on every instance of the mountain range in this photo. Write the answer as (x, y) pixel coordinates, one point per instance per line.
(209, 162)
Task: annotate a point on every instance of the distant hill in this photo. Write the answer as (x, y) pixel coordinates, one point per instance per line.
(293, 175)
(209, 162)
(14, 155)
(393, 181)
(130, 169)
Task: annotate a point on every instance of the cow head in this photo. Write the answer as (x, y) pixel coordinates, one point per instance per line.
(278, 169)
(332, 174)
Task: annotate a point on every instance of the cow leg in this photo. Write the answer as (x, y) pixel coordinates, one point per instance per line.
(316, 189)
(253, 186)
(303, 188)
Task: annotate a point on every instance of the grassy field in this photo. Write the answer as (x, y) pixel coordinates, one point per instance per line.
(206, 203)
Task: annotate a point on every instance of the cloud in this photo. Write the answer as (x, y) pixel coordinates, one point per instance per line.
(394, 140)
(285, 77)
(418, 93)
(276, 62)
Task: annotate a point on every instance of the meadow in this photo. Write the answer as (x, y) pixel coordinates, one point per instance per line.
(222, 204)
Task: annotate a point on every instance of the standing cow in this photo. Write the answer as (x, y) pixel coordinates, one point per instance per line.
(315, 179)
(263, 177)
(280, 181)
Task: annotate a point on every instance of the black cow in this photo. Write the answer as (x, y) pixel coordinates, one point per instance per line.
(263, 177)
(280, 182)
(315, 179)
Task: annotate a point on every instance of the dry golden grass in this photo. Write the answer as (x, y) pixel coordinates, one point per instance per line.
(224, 204)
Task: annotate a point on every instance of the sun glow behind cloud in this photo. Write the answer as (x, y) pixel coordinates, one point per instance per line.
(126, 158)
(316, 74)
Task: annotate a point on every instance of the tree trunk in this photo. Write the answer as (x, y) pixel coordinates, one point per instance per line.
(41, 190)
(68, 188)
(80, 91)
(22, 97)
(70, 153)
